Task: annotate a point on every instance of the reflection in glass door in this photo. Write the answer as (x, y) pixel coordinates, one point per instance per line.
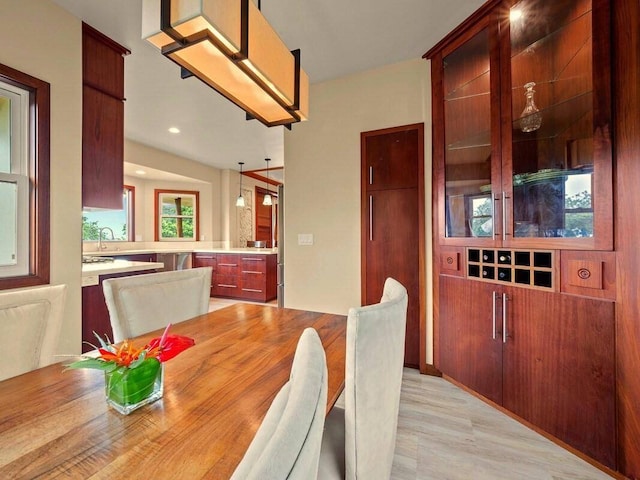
(467, 116)
(552, 110)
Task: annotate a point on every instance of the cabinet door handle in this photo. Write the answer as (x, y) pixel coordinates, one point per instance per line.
(370, 174)
(494, 314)
(504, 215)
(227, 264)
(496, 199)
(371, 218)
(505, 298)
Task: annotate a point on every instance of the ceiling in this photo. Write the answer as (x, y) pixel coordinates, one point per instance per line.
(336, 37)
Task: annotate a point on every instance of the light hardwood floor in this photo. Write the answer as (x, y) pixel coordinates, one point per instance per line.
(444, 433)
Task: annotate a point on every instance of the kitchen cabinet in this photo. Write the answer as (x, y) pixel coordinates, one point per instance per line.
(241, 275)
(206, 260)
(95, 315)
(546, 357)
(102, 120)
(522, 136)
(524, 281)
(392, 223)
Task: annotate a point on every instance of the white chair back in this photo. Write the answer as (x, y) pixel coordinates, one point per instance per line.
(30, 322)
(375, 358)
(143, 303)
(287, 444)
(359, 440)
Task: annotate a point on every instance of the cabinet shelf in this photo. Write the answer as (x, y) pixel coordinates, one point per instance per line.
(557, 118)
(475, 87)
(480, 140)
(527, 40)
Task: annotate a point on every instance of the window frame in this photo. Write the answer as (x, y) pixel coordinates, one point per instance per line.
(38, 162)
(158, 210)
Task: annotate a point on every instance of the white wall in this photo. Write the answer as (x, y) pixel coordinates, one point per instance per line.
(43, 40)
(322, 180)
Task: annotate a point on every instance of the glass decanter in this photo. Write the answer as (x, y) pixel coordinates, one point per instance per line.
(531, 118)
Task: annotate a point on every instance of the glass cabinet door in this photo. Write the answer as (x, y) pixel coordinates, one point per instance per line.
(558, 159)
(466, 85)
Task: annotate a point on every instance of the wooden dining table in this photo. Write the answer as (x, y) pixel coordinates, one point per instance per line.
(55, 423)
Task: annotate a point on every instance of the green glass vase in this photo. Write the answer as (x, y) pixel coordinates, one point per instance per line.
(128, 389)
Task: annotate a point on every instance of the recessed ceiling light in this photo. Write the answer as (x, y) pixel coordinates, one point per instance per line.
(141, 172)
(515, 14)
(174, 130)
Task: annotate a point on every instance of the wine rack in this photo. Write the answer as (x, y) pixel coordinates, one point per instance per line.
(525, 268)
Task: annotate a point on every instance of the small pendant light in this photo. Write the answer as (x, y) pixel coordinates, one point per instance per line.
(240, 199)
(267, 198)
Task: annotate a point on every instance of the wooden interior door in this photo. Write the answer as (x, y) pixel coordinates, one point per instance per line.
(265, 215)
(558, 364)
(470, 339)
(393, 224)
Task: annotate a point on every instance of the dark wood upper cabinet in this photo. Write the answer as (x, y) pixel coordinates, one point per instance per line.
(102, 62)
(522, 127)
(102, 120)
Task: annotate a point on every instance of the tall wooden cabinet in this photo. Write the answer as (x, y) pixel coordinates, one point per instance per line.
(523, 215)
(392, 225)
(102, 120)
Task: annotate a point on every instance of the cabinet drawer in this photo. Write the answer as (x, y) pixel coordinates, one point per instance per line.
(253, 282)
(452, 261)
(228, 264)
(204, 260)
(255, 263)
(226, 285)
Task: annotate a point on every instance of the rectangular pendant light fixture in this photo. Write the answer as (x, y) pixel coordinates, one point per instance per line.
(230, 46)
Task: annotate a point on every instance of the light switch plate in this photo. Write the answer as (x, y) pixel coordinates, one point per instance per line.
(305, 239)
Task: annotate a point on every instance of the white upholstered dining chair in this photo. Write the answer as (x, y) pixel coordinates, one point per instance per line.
(30, 322)
(287, 444)
(359, 439)
(143, 303)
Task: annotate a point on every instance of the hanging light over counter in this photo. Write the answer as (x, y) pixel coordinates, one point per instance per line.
(267, 198)
(240, 200)
(230, 46)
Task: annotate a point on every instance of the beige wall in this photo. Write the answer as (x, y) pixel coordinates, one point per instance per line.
(43, 40)
(218, 192)
(145, 205)
(209, 185)
(322, 180)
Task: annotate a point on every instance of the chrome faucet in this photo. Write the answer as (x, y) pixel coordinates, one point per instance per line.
(101, 246)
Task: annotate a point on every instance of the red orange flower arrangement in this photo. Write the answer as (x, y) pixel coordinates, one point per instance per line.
(133, 376)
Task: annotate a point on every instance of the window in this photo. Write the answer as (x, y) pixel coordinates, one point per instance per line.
(177, 215)
(578, 207)
(24, 179)
(120, 223)
(481, 222)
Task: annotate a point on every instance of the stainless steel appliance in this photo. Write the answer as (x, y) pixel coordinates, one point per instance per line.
(281, 246)
(175, 261)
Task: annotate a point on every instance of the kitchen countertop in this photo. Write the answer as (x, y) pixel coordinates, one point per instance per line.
(252, 250)
(91, 271)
